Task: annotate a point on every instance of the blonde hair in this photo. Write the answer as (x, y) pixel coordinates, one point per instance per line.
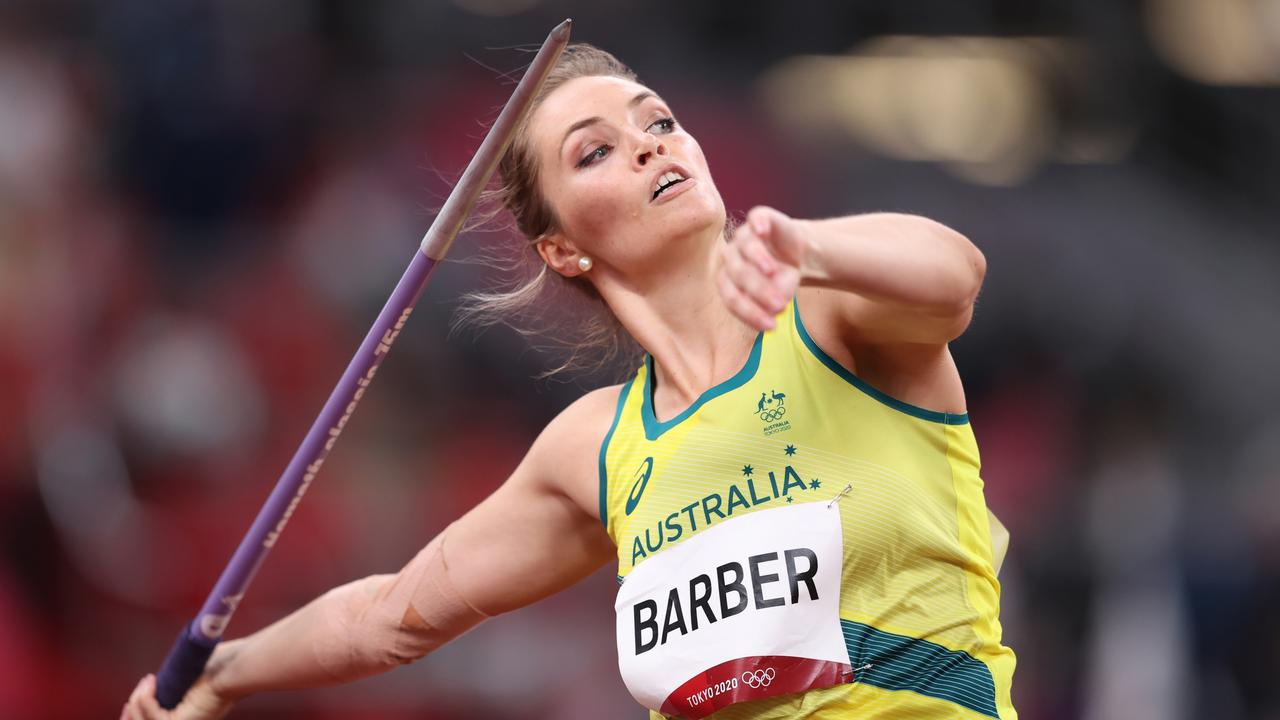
(565, 316)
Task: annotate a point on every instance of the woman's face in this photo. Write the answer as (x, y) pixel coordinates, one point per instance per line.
(606, 149)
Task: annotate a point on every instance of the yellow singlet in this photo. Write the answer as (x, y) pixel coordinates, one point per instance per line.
(919, 598)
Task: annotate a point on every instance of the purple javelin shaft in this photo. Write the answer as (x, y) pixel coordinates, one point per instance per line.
(186, 660)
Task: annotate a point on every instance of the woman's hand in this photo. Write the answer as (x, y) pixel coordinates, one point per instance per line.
(200, 703)
(761, 266)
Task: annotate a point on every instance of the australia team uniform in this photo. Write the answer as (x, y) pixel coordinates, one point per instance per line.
(799, 544)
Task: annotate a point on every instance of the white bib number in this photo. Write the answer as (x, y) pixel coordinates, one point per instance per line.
(742, 611)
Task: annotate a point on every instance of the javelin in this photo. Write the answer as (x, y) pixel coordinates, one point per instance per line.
(187, 658)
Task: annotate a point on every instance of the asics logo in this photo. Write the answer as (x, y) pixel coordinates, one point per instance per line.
(759, 678)
(641, 482)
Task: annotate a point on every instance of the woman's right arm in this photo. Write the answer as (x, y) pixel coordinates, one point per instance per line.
(536, 535)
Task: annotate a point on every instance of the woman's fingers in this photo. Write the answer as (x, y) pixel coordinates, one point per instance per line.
(744, 260)
(200, 703)
(136, 708)
(761, 268)
(755, 251)
(131, 710)
(740, 305)
(150, 705)
(133, 707)
(760, 219)
(782, 234)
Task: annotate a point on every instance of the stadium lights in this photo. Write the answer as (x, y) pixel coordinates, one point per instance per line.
(981, 106)
(1224, 42)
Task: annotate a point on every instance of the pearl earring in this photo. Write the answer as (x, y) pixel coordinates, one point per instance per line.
(584, 263)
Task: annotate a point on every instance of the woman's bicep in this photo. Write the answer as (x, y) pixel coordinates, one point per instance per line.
(523, 543)
(538, 534)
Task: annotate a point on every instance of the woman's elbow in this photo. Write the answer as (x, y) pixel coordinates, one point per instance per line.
(959, 283)
(975, 274)
(965, 270)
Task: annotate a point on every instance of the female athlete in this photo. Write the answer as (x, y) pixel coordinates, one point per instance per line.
(788, 484)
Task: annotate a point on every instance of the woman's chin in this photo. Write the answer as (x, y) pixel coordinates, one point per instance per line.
(686, 239)
(691, 214)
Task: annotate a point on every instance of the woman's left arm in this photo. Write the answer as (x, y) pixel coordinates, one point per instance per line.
(906, 279)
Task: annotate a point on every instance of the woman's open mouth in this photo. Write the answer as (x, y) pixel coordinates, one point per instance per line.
(668, 180)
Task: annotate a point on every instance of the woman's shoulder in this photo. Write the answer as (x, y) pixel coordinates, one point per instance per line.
(589, 415)
(572, 438)
(566, 452)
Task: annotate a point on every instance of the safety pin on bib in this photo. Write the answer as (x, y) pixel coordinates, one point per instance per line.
(847, 489)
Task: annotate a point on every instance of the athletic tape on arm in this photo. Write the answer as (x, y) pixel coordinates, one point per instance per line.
(387, 620)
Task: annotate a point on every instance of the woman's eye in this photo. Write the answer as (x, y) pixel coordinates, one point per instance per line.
(598, 154)
(665, 125)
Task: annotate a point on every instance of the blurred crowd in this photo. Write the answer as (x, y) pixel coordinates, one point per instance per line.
(204, 204)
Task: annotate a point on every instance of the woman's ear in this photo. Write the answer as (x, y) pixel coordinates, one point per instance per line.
(559, 254)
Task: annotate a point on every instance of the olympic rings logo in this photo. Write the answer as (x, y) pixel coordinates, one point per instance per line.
(759, 678)
(772, 415)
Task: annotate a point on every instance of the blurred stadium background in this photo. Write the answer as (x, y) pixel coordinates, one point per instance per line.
(203, 204)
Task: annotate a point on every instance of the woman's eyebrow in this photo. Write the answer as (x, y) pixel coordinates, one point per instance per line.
(641, 97)
(587, 122)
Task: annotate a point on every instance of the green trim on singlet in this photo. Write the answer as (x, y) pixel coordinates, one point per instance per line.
(654, 429)
(854, 380)
(604, 449)
(899, 662)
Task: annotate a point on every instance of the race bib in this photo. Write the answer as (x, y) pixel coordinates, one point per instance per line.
(743, 611)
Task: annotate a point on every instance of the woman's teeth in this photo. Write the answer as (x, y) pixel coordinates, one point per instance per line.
(666, 181)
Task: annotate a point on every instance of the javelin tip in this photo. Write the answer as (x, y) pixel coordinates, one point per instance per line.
(561, 31)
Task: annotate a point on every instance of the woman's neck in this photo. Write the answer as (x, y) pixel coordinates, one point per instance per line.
(682, 321)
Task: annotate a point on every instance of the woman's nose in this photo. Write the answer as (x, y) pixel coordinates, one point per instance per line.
(649, 147)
